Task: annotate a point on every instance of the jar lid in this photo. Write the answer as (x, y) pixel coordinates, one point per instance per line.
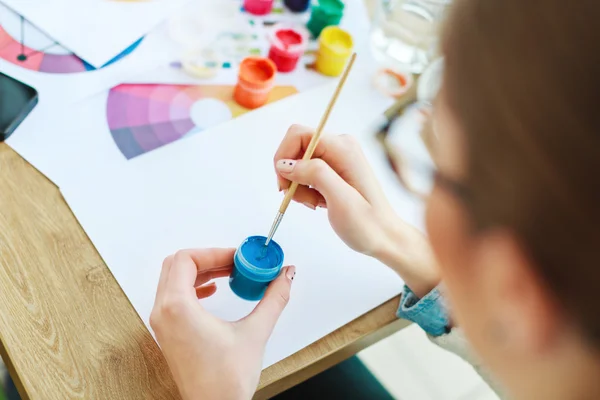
(393, 82)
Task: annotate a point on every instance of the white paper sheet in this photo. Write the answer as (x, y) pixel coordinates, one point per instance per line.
(95, 30)
(53, 70)
(217, 188)
(74, 141)
(51, 137)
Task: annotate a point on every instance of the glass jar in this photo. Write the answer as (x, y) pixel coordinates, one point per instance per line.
(405, 33)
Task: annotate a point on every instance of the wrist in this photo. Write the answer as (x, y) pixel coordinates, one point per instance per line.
(209, 381)
(408, 252)
(215, 390)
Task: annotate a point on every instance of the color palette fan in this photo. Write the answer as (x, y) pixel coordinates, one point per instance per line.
(22, 44)
(142, 118)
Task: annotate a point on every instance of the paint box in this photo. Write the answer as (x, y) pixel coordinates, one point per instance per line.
(335, 48)
(255, 82)
(255, 266)
(288, 43)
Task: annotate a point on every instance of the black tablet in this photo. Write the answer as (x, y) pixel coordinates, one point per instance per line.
(16, 102)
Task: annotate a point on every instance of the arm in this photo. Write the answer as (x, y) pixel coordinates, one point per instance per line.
(431, 313)
(407, 251)
(339, 179)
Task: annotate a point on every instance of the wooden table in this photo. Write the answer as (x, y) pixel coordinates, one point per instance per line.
(68, 331)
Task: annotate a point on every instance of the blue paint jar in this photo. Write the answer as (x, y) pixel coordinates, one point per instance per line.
(255, 266)
(297, 5)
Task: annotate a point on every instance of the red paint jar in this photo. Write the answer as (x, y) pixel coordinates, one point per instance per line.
(258, 7)
(288, 44)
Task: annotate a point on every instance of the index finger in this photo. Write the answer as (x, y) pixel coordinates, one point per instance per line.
(342, 153)
(292, 147)
(187, 264)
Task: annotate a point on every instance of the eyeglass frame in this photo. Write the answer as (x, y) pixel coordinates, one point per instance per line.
(391, 115)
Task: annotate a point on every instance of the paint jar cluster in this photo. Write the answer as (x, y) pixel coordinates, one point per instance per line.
(289, 42)
(255, 266)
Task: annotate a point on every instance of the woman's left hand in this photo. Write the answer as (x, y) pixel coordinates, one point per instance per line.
(211, 358)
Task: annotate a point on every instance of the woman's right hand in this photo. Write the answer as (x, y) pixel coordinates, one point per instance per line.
(339, 178)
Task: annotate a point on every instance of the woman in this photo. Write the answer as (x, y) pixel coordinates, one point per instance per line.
(512, 220)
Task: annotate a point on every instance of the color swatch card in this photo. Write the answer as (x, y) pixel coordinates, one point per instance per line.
(96, 31)
(142, 118)
(217, 188)
(113, 129)
(61, 78)
(31, 55)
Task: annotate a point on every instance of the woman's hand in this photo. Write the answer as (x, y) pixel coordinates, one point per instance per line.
(339, 178)
(211, 358)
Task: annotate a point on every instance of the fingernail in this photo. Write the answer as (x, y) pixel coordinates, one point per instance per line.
(309, 205)
(322, 204)
(286, 166)
(291, 272)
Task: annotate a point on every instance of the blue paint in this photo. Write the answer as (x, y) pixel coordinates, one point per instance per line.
(255, 267)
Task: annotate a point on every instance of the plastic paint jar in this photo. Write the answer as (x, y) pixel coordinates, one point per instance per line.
(255, 266)
(325, 13)
(297, 5)
(335, 47)
(258, 7)
(255, 81)
(288, 44)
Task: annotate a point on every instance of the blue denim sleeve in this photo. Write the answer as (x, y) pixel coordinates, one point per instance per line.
(429, 312)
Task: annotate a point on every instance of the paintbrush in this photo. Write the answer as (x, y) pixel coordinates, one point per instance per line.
(310, 150)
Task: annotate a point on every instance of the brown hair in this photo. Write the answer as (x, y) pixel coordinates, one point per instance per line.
(523, 79)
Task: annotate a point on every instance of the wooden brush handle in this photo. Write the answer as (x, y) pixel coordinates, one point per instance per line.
(315, 139)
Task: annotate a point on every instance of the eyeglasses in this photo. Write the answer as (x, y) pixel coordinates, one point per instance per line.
(412, 148)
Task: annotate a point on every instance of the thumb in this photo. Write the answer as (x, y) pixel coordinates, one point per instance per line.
(265, 315)
(317, 174)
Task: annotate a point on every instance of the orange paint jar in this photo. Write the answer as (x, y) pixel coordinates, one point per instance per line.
(255, 81)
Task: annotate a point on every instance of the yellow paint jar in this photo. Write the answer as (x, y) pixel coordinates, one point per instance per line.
(335, 48)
